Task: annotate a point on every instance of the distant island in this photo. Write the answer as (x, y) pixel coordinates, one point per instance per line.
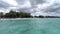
(14, 14)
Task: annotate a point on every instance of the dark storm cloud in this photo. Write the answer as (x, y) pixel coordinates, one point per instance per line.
(46, 6)
(53, 8)
(20, 1)
(34, 2)
(4, 5)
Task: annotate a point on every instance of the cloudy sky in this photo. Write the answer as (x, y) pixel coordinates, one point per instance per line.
(35, 7)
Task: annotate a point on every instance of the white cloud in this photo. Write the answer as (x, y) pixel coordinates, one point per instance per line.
(38, 8)
(4, 10)
(26, 4)
(11, 2)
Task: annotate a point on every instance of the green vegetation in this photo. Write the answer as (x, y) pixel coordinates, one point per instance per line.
(14, 14)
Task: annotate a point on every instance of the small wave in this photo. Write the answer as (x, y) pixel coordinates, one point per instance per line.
(16, 18)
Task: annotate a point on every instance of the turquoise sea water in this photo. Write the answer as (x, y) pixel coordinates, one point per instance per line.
(30, 26)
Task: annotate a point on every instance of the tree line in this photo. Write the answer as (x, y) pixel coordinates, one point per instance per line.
(14, 14)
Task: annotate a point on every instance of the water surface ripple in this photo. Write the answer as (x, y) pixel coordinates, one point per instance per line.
(30, 26)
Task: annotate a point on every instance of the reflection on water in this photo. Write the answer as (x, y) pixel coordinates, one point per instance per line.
(30, 26)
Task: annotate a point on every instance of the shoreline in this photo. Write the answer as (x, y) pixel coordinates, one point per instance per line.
(16, 18)
(22, 18)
